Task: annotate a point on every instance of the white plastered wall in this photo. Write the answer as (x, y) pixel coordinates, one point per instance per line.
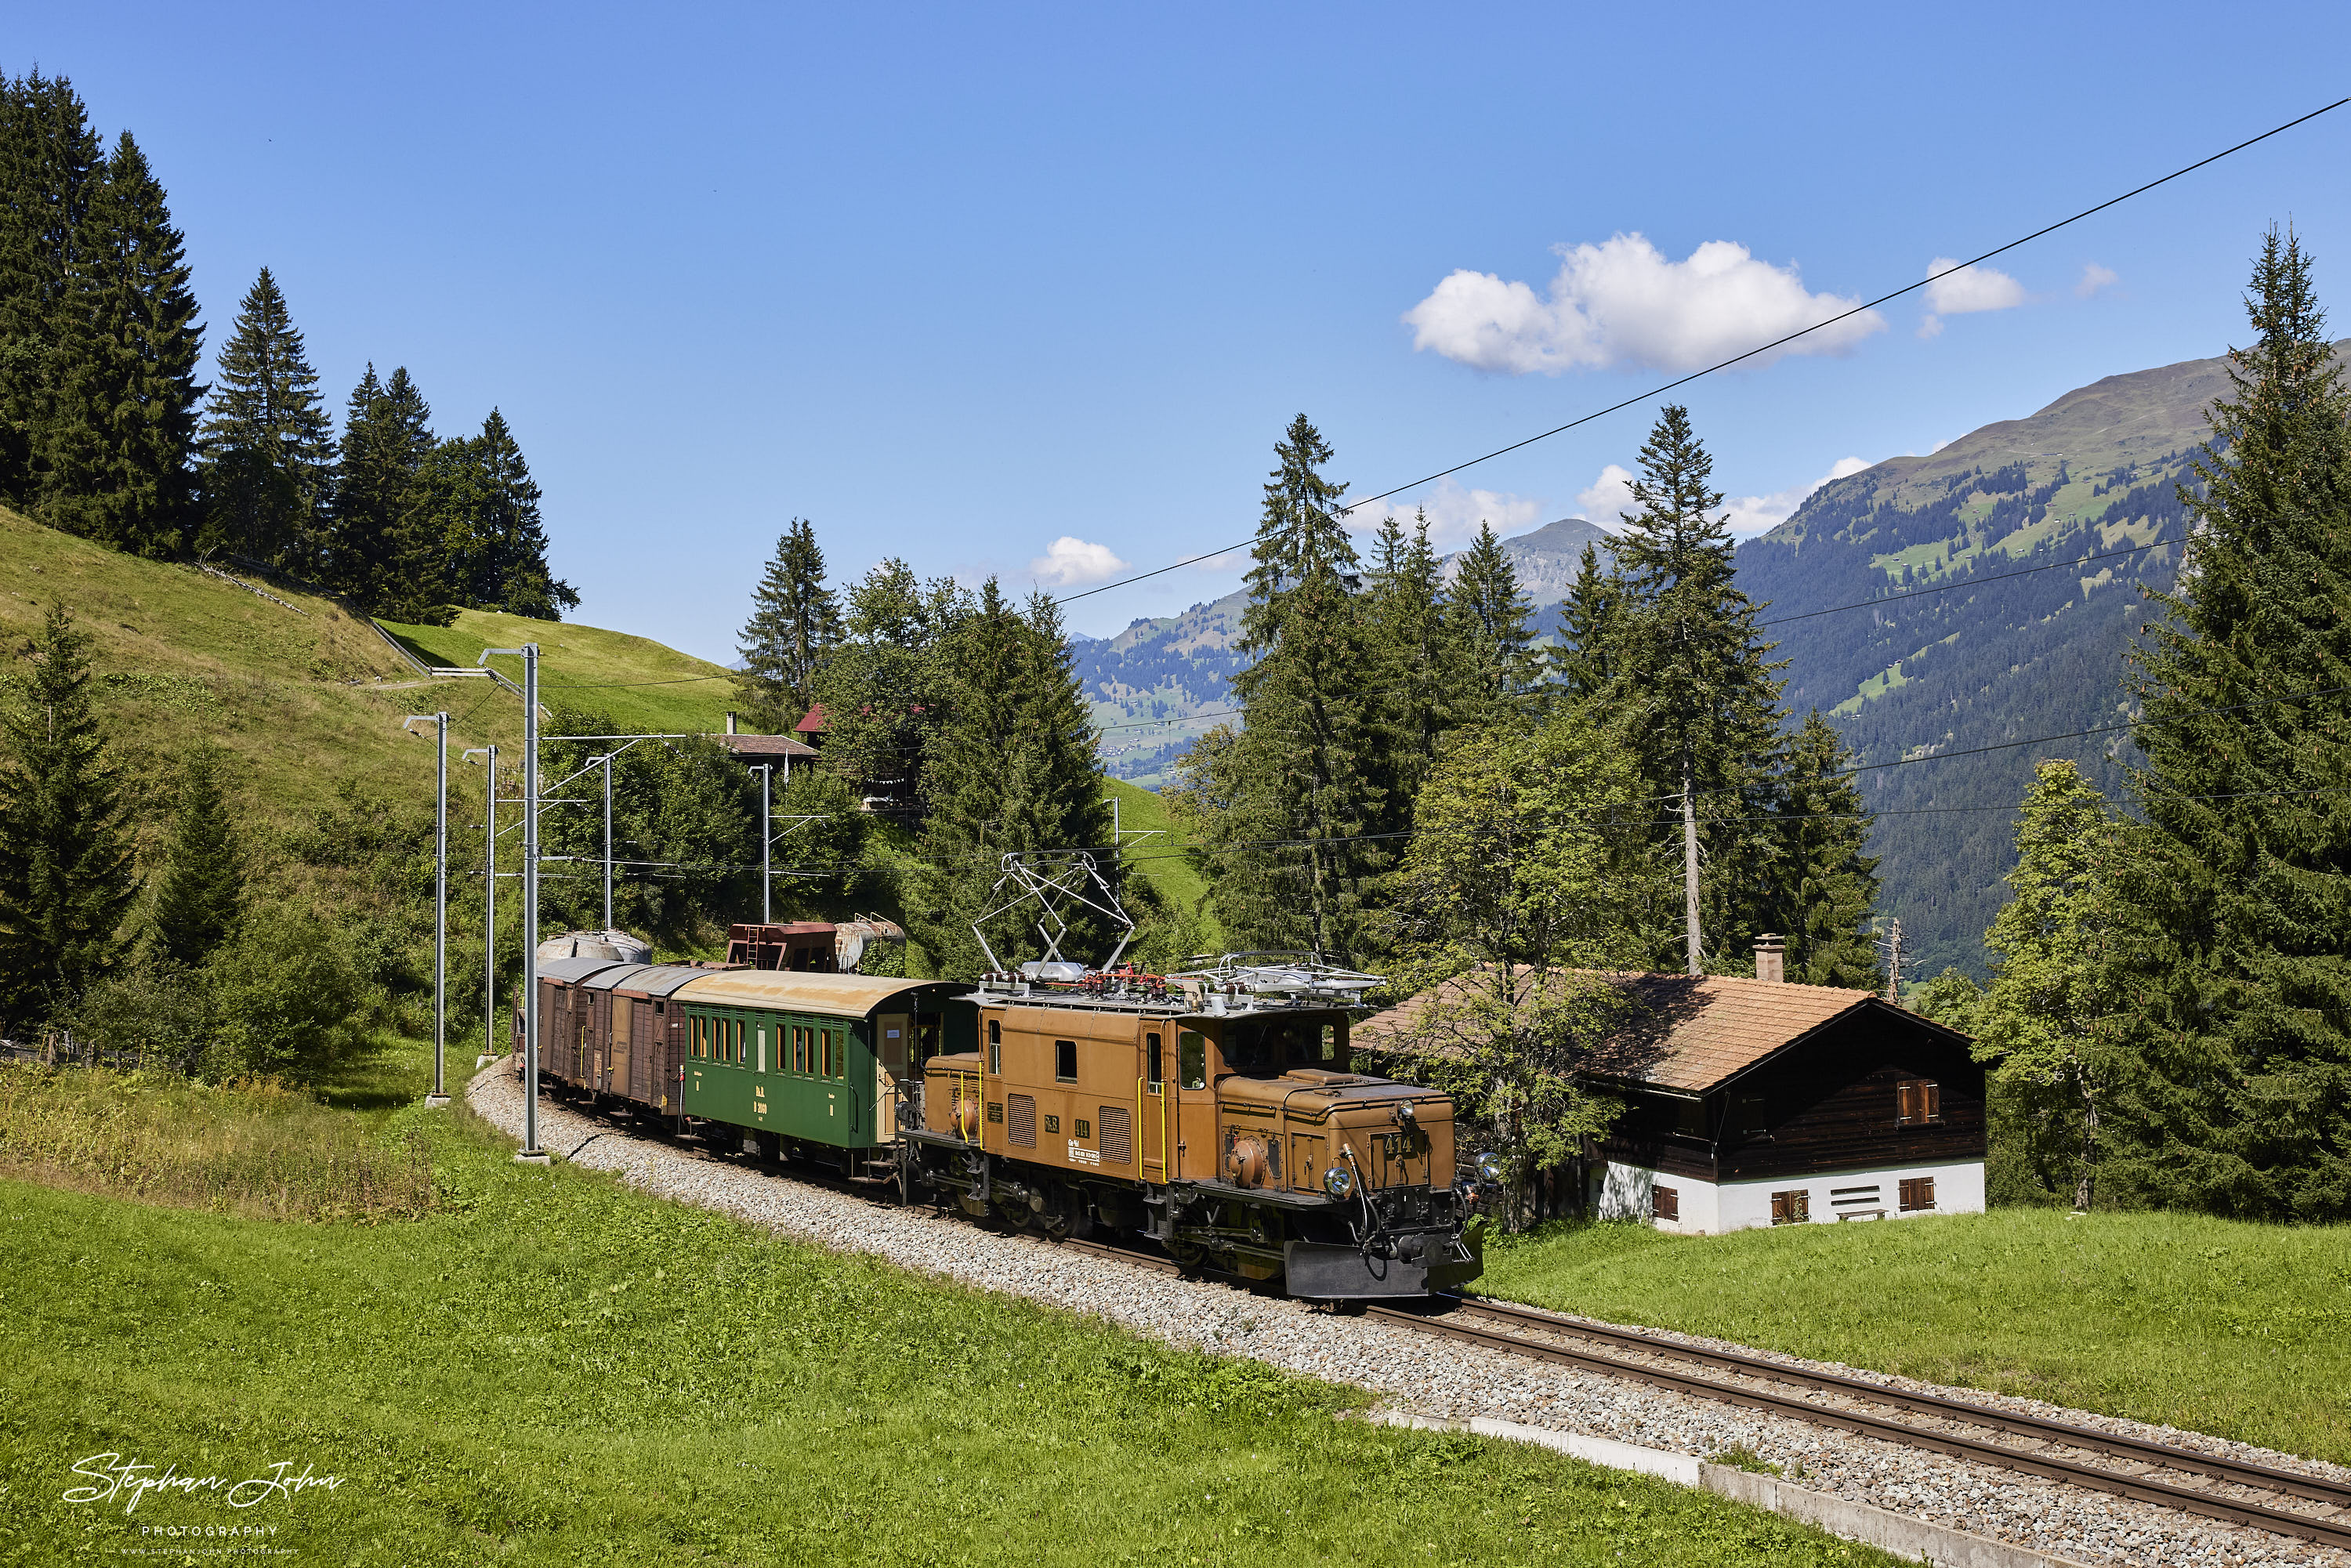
(1709, 1209)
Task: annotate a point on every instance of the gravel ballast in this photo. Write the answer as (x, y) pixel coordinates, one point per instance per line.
(1430, 1376)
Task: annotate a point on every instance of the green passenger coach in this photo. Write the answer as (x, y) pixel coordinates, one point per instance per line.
(814, 1061)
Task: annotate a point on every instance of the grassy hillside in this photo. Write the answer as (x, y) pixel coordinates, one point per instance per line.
(553, 1368)
(1161, 858)
(299, 697)
(2211, 1324)
(643, 685)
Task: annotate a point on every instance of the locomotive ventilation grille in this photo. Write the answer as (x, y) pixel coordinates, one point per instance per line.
(1117, 1136)
(1020, 1119)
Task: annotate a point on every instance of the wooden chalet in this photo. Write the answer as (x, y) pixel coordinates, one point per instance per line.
(1753, 1101)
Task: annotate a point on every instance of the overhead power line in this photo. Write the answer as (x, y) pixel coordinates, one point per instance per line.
(1741, 358)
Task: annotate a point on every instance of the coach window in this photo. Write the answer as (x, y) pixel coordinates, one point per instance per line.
(835, 1067)
(996, 1045)
(734, 1042)
(1152, 1066)
(1065, 1061)
(1192, 1059)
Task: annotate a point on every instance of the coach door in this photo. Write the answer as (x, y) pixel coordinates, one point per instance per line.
(893, 1036)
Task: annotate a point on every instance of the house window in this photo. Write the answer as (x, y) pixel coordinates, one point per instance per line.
(1665, 1202)
(1750, 1111)
(1792, 1207)
(1065, 1060)
(1917, 1099)
(1689, 1119)
(1918, 1192)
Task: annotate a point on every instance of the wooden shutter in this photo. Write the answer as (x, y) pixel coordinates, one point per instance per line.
(1918, 1192)
(1665, 1202)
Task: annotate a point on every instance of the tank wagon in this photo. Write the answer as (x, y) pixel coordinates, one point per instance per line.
(1212, 1110)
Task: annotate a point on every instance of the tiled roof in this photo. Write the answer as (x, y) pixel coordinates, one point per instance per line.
(1678, 1033)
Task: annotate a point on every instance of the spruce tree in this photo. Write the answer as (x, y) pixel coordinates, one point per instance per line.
(884, 687)
(121, 448)
(385, 546)
(1412, 641)
(2047, 1018)
(1289, 806)
(267, 451)
(795, 619)
(1697, 692)
(2239, 883)
(1011, 769)
(50, 159)
(201, 892)
(488, 508)
(1486, 616)
(65, 853)
(1585, 662)
(1827, 886)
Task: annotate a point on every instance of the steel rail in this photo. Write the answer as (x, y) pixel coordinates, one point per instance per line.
(2236, 1472)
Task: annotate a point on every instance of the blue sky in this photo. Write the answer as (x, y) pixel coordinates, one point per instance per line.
(959, 283)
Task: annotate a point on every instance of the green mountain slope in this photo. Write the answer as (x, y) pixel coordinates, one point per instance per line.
(1987, 660)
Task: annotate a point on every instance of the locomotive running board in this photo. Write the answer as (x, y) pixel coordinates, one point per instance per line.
(1323, 1272)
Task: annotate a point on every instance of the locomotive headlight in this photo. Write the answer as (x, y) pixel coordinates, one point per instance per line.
(1338, 1181)
(1490, 1167)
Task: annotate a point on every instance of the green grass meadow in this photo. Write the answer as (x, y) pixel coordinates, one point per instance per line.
(643, 686)
(2210, 1325)
(550, 1368)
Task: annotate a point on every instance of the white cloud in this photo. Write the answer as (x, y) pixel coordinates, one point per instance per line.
(1611, 495)
(1455, 513)
(2094, 278)
(1956, 290)
(1623, 302)
(1069, 562)
(1752, 515)
(1606, 499)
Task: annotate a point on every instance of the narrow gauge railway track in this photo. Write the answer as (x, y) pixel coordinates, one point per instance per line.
(2330, 1528)
(1588, 1347)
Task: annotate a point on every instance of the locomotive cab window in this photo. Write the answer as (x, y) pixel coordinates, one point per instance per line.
(1065, 1061)
(1329, 1043)
(996, 1045)
(1192, 1059)
(1154, 1069)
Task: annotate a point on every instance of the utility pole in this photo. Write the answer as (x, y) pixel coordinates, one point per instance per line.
(1894, 963)
(490, 911)
(530, 1153)
(766, 842)
(607, 842)
(440, 723)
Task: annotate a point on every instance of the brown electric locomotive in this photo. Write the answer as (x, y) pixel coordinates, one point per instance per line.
(1210, 1111)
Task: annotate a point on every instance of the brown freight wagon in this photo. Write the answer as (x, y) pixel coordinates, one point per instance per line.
(608, 1027)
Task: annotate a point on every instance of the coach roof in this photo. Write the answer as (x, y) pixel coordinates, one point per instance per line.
(802, 990)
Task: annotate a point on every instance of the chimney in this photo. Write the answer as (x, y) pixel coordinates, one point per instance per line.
(730, 721)
(1772, 958)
